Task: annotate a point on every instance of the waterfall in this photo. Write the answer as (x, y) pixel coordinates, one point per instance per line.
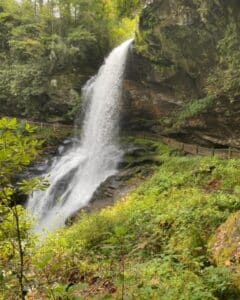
(90, 162)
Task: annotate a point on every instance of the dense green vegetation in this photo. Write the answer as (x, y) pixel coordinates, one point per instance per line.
(192, 109)
(156, 243)
(153, 244)
(49, 49)
(20, 145)
(159, 241)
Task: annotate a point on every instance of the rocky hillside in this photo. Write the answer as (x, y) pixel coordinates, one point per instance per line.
(183, 72)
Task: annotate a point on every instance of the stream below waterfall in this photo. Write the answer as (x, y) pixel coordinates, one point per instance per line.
(75, 175)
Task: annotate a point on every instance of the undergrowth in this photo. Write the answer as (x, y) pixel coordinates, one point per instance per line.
(194, 108)
(153, 244)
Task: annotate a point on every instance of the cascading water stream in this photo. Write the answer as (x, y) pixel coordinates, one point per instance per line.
(95, 158)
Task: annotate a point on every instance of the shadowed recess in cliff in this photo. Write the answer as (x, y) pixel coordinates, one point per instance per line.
(183, 72)
(78, 173)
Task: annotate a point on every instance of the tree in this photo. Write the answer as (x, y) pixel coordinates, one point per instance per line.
(41, 40)
(18, 148)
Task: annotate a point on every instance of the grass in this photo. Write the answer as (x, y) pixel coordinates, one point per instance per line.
(153, 244)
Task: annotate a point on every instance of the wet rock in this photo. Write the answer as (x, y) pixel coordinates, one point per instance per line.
(136, 166)
(181, 55)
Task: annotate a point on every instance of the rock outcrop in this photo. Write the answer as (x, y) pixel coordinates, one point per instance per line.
(225, 244)
(183, 72)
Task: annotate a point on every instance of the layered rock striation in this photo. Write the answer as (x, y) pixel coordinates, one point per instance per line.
(183, 76)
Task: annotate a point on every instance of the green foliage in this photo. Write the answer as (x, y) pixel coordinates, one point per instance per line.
(10, 257)
(24, 86)
(225, 77)
(42, 40)
(193, 47)
(27, 187)
(124, 19)
(195, 108)
(125, 30)
(18, 148)
(153, 243)
(127, 8)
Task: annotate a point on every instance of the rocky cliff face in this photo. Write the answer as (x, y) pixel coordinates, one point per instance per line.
(183, 72)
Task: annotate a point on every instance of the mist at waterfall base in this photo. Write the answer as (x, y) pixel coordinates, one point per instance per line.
(76, 175)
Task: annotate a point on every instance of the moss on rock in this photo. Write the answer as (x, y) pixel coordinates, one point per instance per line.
(187, 51)
(225, 244)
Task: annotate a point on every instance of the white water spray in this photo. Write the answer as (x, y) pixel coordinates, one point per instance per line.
(89, 164)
